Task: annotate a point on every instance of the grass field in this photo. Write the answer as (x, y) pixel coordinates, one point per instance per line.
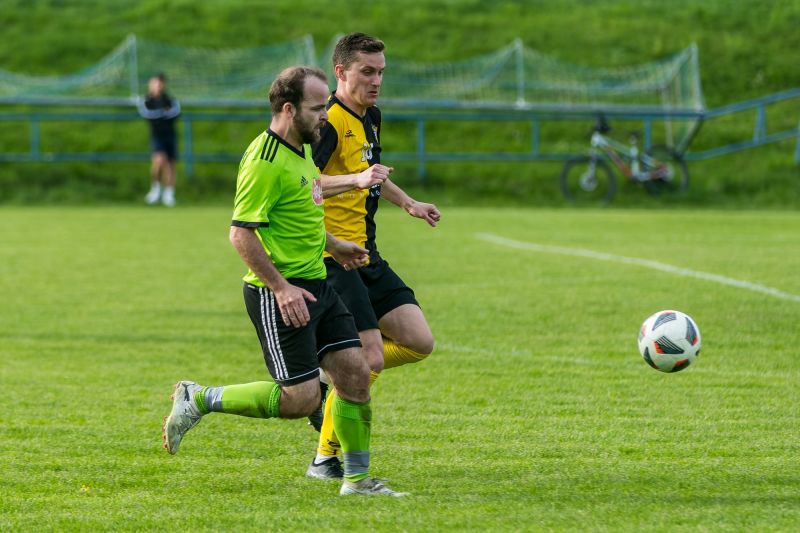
(534, 413)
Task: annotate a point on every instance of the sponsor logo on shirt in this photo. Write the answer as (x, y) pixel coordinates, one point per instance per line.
(303, 181)
(349, 133)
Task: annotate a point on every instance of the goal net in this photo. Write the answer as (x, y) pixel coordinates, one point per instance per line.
(198, 76)
(516, 76)
(513, 77)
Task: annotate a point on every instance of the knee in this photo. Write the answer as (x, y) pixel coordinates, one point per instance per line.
(350, 374)
(422, 344)
(301, 406)
(374, 356)
(307, 407)
(356, 388)
(426, 347)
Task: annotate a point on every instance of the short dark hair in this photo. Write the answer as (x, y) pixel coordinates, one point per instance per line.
(289, 85)
(348, 46)
(161, 77)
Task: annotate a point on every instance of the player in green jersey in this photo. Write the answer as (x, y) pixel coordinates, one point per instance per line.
(301, 322)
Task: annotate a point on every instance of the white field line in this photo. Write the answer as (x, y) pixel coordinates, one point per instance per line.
(655, 265)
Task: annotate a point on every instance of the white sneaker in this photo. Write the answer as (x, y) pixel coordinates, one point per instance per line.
(168, 198)
(184, 416)
(369, 486)
(154, 194)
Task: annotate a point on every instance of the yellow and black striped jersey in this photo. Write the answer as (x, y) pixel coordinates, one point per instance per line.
(349, 144)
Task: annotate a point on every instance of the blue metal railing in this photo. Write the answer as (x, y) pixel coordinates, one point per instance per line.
(533, 114)
(760, 136)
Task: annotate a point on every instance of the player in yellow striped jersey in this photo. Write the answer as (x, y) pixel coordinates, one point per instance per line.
(390, 322)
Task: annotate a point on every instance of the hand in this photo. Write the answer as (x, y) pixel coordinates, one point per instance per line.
(427, 212)
(292, 303)
(374, 175)
(348, 254)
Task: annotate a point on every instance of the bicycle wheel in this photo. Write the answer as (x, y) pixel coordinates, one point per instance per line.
(669, 174)
(587, 180)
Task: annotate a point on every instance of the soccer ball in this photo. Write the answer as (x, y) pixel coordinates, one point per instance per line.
(669, 341)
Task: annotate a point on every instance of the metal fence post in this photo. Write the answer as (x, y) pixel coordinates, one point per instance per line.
(797, 147)
(519, 48)
(134, 59)
(761, 124)
(648, 134)
(36, 153)
(534, 138)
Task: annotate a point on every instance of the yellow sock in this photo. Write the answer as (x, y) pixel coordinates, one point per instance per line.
(328, 441)
(397, 355)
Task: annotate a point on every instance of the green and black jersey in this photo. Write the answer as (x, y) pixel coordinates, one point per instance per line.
(279, 194)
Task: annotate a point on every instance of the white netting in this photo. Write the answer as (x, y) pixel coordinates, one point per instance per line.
(513, 76)
(518, 76)
(196, 75)
(110, 77)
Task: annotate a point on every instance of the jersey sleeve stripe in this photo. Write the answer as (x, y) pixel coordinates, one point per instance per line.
(273, 152)
(243, 224)
(263, 148)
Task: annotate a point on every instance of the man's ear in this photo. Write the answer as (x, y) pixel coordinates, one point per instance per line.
(340, 72)
(289, 109)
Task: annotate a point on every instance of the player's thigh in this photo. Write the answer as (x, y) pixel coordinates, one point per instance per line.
(387, 291)
(170, 145)
(407, 325)
(349, 372)
(353, 292)
(290, 353)
(399, 316)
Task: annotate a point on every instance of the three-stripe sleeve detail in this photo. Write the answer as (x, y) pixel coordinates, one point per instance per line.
(270, 149)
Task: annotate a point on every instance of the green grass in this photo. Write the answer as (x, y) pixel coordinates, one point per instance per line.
(534, 413)
(747, 49)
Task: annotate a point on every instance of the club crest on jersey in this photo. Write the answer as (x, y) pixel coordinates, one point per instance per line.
(316, 191)
(366, 152)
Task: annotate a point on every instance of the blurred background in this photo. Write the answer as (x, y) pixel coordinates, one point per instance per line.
(483, 101)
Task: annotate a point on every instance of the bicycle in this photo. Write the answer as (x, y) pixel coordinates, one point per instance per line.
(590, 178)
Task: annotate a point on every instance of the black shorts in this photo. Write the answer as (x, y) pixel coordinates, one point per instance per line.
(166, 144)
(369, 292)
(293, 354)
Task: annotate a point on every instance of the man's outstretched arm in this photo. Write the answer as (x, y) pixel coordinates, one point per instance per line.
(428, 212)
(333, 185)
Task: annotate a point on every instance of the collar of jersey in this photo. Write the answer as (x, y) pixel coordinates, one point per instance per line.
(334, 100)
(280, 139)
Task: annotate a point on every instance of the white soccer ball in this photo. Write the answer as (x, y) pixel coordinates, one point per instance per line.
(669, 341)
